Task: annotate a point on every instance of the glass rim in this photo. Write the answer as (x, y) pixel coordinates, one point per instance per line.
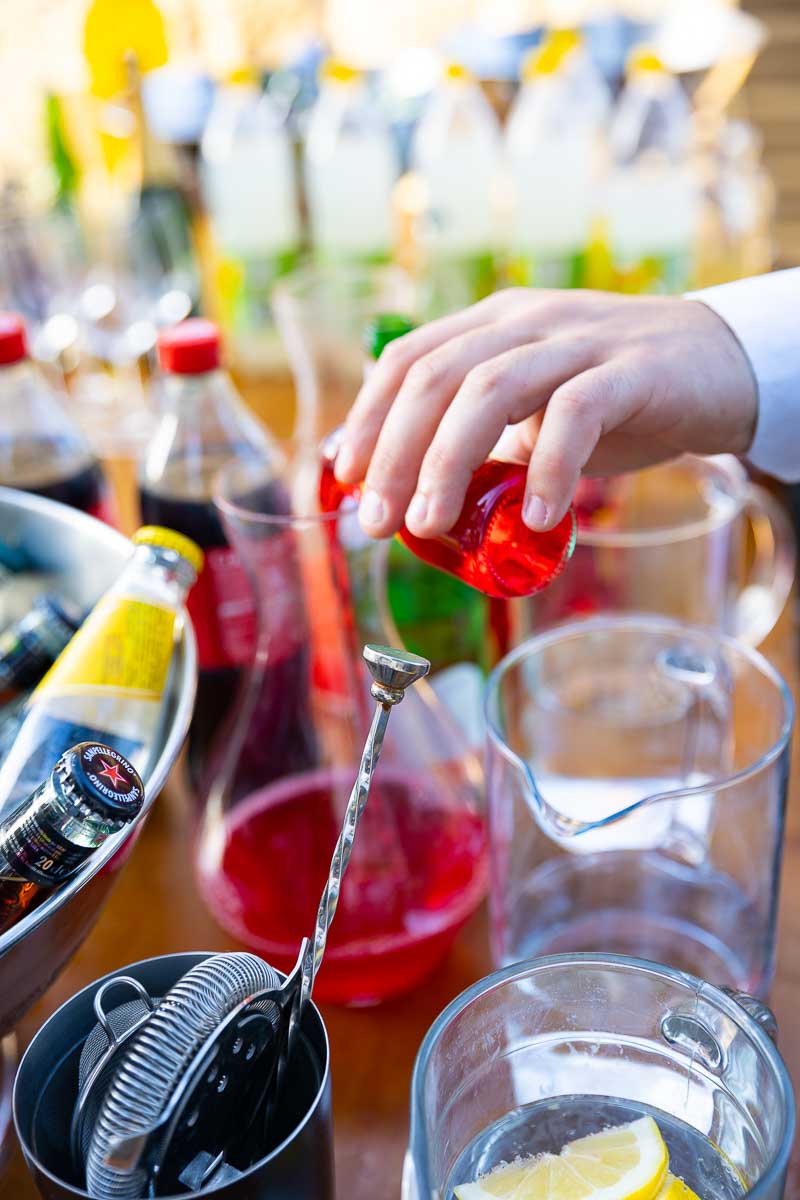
(644, 623)
(301, 283)
(530, 967)
(725, 465)
(236, 511)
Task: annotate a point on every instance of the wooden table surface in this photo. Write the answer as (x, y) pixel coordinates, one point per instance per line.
(155, 909)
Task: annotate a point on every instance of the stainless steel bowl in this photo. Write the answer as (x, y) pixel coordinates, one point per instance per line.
(88, 556)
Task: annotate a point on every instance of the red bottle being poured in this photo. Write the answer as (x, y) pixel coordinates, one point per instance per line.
(489, 547)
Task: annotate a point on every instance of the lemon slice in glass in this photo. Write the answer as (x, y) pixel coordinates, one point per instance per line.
(675, 1189)
(628, 1162)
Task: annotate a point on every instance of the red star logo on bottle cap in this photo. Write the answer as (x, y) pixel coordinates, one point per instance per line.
(112, 772)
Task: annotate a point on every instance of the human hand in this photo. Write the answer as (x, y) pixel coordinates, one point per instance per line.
(574, 381)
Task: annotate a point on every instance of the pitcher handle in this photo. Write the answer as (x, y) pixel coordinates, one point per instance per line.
(763, 597)
(761, 1013)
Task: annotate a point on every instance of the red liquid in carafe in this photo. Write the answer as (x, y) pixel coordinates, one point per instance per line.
(489, 547)
(398, 912)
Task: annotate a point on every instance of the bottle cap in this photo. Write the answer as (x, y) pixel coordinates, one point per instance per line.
(385, 328)
(99, 779)
(13, 343)
(334, 70)
(190, 348)
(643, 60)
(548, 57)
(170, 539)
(455, 72)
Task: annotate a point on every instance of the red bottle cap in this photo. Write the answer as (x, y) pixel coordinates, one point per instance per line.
(189, 348)
(13, 344)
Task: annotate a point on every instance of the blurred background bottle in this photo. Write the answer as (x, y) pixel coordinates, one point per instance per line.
(204, 426)
(653, 196)
(555, 155)
(456, 154)
(250, 194)
(350, 170)
(41, 450)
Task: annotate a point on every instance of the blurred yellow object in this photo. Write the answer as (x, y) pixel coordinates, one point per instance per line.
(547, 58)
(333, 70)
(643, 60)
(455, 73)
(115, 30)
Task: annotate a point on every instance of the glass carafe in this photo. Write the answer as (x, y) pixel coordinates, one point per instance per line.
(321, 313)
(549, 1050)
(637, 774)
(281, 771)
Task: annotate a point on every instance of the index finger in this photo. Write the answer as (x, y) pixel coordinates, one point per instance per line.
(368, 413)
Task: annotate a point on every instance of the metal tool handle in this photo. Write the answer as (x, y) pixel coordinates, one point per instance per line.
(393, 671)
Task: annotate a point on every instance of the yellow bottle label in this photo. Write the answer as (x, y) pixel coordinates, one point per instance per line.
(124, 645)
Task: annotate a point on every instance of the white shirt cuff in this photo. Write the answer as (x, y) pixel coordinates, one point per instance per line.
(764, 315)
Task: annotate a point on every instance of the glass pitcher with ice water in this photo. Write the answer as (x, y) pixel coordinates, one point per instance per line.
(637, 774)
(558, 1048)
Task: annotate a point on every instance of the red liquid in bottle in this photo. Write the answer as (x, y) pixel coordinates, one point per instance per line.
(392, 926)
(489, 547)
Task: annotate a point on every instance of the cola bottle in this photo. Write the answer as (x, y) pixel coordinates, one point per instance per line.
(41, 450)
(204, 427)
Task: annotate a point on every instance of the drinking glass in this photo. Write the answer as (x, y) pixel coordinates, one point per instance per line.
(691, 539)
(552, 1049)
(321, 314)
(637, 776)
(283, 767)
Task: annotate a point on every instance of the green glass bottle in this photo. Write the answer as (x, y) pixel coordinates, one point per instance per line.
(437, 615)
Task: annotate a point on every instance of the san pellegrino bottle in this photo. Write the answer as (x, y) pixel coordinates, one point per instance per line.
(32, 644)
(351, 167)
(456, 154)
(109, 682)
(554, 146)
(41, 450)
(250, 193)
(653, 197)
(90, 794)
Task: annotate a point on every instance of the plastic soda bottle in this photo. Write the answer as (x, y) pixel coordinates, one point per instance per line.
(456, 153)
(204, 426)
(108, 684)
(653, 196)
(554, 145)
(351, 166)
(41, 450)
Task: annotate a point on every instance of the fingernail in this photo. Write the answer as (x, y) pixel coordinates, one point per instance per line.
(371, 510)
(417, 510)
(534, 513)
(343, 464)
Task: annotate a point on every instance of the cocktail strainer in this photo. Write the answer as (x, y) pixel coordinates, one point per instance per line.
(179, 1093)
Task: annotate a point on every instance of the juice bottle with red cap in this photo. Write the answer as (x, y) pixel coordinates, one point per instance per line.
(41, 450)
(204, 426)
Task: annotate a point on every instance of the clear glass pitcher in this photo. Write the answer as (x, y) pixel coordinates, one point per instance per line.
(281, 771)
(692, 539)
(322, 313)
(546, 1051)
(636, 777)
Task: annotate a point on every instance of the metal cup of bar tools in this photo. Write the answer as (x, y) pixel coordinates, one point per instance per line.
(297, 1159)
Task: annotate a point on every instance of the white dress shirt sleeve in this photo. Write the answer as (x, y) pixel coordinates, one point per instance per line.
(764, 315)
